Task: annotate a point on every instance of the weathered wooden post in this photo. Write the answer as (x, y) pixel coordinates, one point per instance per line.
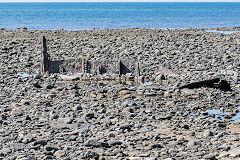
(45, 60)
(120, 67)
(88, 67)
(83, 65)
(137, 70)
(137, 74)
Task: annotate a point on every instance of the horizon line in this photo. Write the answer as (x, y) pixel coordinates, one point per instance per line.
(34, 1)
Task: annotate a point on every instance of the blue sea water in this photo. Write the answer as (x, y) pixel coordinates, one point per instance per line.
(81, 16)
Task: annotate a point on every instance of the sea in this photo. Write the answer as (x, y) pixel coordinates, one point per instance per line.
(116, 15)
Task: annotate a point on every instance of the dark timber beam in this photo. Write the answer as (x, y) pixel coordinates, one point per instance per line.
(45, 56)
(212, 83)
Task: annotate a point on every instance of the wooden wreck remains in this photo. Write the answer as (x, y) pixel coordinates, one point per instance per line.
(83, 65)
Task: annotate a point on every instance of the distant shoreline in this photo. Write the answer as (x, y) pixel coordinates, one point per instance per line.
(191, 1)
(97, 29)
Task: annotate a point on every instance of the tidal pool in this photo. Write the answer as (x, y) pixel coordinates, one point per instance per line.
(147, 83)
(224, 115)
(24, 74)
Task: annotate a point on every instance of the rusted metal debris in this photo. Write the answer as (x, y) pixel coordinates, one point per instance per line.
(90, 66)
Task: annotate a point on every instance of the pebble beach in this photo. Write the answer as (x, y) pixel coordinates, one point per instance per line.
(44, 117)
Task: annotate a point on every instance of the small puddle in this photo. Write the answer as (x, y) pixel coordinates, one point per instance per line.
(24, 75)
(147, 83)
(223, 32)
(222, 115)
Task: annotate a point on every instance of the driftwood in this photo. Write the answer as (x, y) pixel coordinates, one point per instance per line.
(211, 83)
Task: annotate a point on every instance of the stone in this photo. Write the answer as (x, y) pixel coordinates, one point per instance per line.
(89, 115)
(116, 151)
(106, 121)
(207, 133)
(210, 156)
(164, 117)
(59, 153)
(49, 86)
(157, 145)
(114, 142)
(222, 125)
(91, 155)
(48, 157)
(77, 108)
(67, 120)
(37, 85)
(95, 143)
(40, 142)
(48, 148)
(50, 96)
(192, 143)
(160, 77)
(6, 150)
(224, 147)
(123, 93)
(126, 126)
(235, 152)
(185, 126)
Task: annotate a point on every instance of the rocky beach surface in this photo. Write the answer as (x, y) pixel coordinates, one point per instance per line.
(45, 117)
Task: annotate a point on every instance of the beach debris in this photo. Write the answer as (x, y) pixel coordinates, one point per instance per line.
(211, 83)
(45, 57)
(74, 69)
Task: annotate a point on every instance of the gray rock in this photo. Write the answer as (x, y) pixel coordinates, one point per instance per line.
(114, 142)
(186, 126)
(192, 143)
(59, 153)
(67, 120)
(89, 115)
(224, 147)
(6, 150)
(207, 133)
(126, 126)
(210, 156)
(235, 152)
(90, 155)
(222, 125)
(2, 155)
(157, 145)
(106, 121)
(95, 143)
(77, 108)
(49, 150)
(40, 142)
